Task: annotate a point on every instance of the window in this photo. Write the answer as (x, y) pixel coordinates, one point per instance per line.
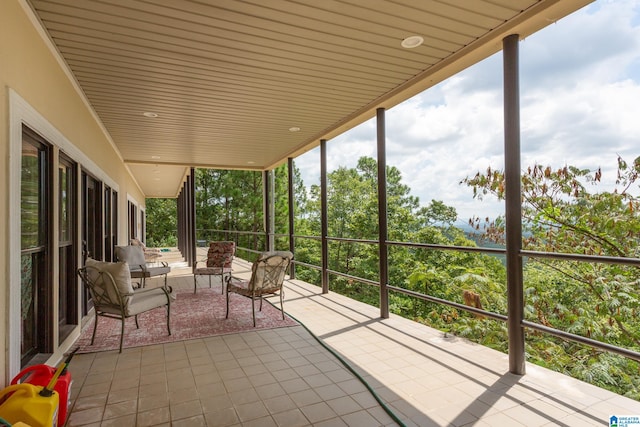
(92, 234)
(67, 279)
(35, 255)
(133, 221)
(108, 232)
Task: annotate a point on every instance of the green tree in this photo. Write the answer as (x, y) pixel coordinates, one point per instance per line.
(437, 213)
(233, 200)
(162, 222)
(563, 213)
(229, 200)
(282, 202)
(353, 213)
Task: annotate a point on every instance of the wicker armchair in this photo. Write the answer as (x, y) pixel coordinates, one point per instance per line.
(218, 263)
(267, 278)
(109, 285)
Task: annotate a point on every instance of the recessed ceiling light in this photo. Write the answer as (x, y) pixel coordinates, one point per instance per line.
(411, 42)
(149, 114)
(155, 157)
(294, 129)
(251, 162)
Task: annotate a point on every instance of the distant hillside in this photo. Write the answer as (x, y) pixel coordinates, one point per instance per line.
(476, 236)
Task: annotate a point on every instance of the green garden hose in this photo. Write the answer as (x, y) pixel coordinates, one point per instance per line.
(354, 372)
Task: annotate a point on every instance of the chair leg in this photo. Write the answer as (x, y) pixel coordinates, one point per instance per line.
(137, 326)
(209, 281)
(169, 317)
(195, 283)
(282, 303)
(95, 327)
(122, 332)
(253, 310)
(226, 316)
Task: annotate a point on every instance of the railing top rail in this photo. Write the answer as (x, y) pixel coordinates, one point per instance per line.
(581, 257)
(499, 251)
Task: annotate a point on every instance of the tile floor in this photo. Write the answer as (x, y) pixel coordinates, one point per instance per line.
(284, 377)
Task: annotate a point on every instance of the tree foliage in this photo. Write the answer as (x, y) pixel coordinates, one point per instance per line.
(352, 202)
(233, 200)
(562, 213)
(162, 222)
(228, 200)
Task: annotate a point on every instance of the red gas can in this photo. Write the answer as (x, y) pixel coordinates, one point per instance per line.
(40, 375)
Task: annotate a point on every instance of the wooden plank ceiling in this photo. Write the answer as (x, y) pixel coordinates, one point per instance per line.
(228, 79)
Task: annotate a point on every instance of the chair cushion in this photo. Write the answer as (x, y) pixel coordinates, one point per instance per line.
(146, 299)
(212, 270)
(137, 272)
(242, 287)
(133, 255)
(239, 286)
(220, 254)
(263, 277)
(137, 242)
(121, 276)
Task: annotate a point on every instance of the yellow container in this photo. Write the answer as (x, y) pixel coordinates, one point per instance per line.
(25, 404)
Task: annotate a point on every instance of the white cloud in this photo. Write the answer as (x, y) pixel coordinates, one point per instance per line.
(580, 86)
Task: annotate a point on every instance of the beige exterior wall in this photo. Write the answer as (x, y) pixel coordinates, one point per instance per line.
(29, 69)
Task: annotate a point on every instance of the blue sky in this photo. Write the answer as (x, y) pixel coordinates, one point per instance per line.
(580, 105)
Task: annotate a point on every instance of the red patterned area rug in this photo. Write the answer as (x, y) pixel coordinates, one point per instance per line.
(192, 316)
